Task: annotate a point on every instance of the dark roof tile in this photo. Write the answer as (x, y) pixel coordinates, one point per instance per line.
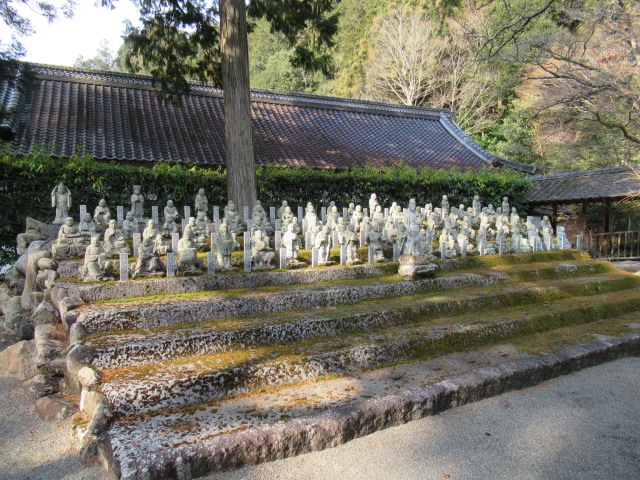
(613, 182)
(121, 117)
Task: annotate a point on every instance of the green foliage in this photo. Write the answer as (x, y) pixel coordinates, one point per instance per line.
(26, 183)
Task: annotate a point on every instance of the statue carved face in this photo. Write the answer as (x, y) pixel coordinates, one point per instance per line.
(86, 218)
(129, 216)
(136, 189)
(151, 224)
(170, 203)
(112, 224)
(201, 191)
(102, 202)
(68, 221)
(61, 188)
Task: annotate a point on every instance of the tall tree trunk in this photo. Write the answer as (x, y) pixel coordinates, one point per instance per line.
(241, 171)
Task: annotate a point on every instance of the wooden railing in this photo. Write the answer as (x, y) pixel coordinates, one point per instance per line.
(623, 245)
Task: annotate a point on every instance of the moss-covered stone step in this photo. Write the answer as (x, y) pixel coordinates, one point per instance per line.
(196, 379)
(131, 348)
(174, 310)
(103, 291)
(223, 435)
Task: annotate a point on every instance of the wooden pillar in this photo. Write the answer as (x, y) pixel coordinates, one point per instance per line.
(554, 217)
(607, 208)
(584, 208)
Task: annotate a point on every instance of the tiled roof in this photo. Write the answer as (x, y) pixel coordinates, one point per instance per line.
(613, 182)
(120, 117)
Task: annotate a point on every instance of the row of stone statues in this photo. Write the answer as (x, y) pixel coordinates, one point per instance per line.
(414, 230)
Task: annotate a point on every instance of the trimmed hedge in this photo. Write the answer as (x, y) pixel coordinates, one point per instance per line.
(26, 183)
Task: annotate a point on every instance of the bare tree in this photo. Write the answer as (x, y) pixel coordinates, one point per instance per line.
(405, 62)
(416, 63)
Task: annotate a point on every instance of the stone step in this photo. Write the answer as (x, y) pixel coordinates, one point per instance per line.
(277, 423)
(183, 309)
(103, 291)
(165, 343)
(197, 379)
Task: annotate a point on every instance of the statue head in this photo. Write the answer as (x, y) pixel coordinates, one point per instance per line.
(102, 202)
(112, 224)
(358, 208)
(86, 217)
(94, 240)
(151, 224)
(200, 215)
(374, 196)
(192, 221)
(68, 221)
(284, 203)
(136, 189)
(287, 209)
(505, 199)
(201, 192)
(476, 197)
(169, 203)
(352, 205)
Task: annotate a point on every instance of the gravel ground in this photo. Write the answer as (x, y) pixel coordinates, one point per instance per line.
(581, 426)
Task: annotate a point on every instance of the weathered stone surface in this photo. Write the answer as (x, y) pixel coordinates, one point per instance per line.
(49, 357)
(338, 425)
(79, 356)
(6, 339)
(89, 402)
(17, 360)
(41, 385)
(77, 332)
(69, 269)
(66, 307)
(55, 407)
(89, 378)
(130, 316)
(58, 294)
(5, 296)
(413, 267)
(101, 419)
(12, 309)
(15, 281)
(166, 286)
(45, 313)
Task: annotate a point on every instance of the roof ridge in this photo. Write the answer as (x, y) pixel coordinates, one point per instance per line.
(582, 173)
(267, 94)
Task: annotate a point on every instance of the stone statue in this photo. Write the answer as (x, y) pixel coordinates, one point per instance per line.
(445, 206)
(169, 228)
(505, 205)
(310, 217)
(151, 231)
(102, 214)
(198, 237)
(170, 212)
(201, 202)
(376, 240)
(202, 225)
(477, 206)
(70, 242)
(114, 241)
(281, 209)
(350, 210)
(86, 226)
(148, 263)
(188, 262)
(232, 217)
(373, 203)
(352, 242)
(561, 234)
(261, 253)
(96, 267)
(401, 239)
(224, 247)
(61, 201)
(287, 218)
(130, 226)
(291, 244)
(323, 244)
(356, 218)
(137, 203)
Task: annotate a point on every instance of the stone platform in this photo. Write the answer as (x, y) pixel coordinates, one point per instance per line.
(187, 376)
